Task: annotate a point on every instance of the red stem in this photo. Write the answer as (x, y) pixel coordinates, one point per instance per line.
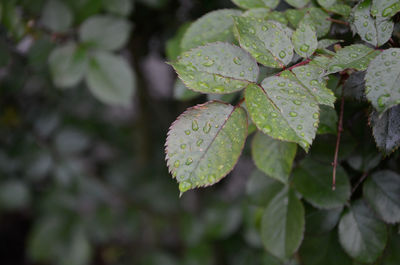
(340, 130)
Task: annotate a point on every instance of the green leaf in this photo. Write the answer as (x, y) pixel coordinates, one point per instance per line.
(255, 36)
(277, 16)
(384, 9)
(340, 9)
(297, 3)
(57, 16)
(310, 77)
(257, 13)
(392, 254)
(326, 3)
(361, 234)
(219, 68)
(319, 221)
(328, 120)
(118, 7)
(319, 19)
(111, 79)
(204, 30)
(173, 46)
(204, 144)
(105, 32)
(355, 56)
(295, 16)
(261, 189)
(183, 93)
(305, 40)
(354, 86)
(382, 192)
(273, 157)
(314, 181)
(323, 249)
(247, 4)
(284, 110)
(373, 31)
(382, 80)
(68, 65)
(386, 129)
(282, 225)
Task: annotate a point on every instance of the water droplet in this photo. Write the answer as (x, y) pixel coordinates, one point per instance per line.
(195, 125)
(353, 55)
(264, 28)
(242, 74)
(335, 68)
(208, 63)
(297, 102)
(251, 30)
(386, 12)
(274, 115)
(211, 178)
(365, 24)
(187, 132)
(382, 100)
(282, 54)
(315, 115)
(281, 84)
(177, 163)
(203, 85)
(184, 186)
(189, 161)
(394, 53)
(304, 48)
(314, 82)
(315, 124)
(183, 146)
(387, 63)
(237, 61)
(293, 114)
(199, 142)
(207, 127)
(267, 129)
(299, 127)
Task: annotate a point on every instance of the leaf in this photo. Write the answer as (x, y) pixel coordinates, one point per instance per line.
(219, 68)
(283, 109)
(310, 77)
(183, 93)
(340, 9)
(297, 3)
(386, 129)
(247, 4)
(319, 19)
(255, 37)
(173, 46)
(382, 192)
(282, 225)
(356, 56)
(204, 144)
(314, 181)
(382, 81)
(305, 40)
(326, 3)
(57, 16)
(273, 157)
(354, 86)
(119, 7)
(384, 9)
(373, 31)
(294, 16)
(261, 189)
(68, 65)
(260, 12)
(328, 120)
(319, 221)
(361, 234)
(392, 254)
(111, 79)
(204, 31)
(323, 249)
(105, 32)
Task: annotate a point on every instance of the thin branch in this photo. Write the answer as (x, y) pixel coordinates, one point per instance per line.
(337, 21)
(364, 175)
(340, 130)
(294, 66)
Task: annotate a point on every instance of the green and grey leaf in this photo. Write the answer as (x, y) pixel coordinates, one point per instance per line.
(319, 19)
(297, 3)
(68, 65)
(204, 144)
(328, 120)
(111, 79)
(384, 9)
(57, 16)
(105, 32)
(219, 68)
(305, 40)
(204, 30)
(248, 4)
(255, 36)
(355, 56)
(284, 110)
(282, 225)
(273, 157)
(382, 81)
(361, 234)
(261, 189)
(382, 192)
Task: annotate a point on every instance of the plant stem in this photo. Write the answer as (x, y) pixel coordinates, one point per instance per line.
(364, 175)
(338, 21)
(294, 66)
(340, 130)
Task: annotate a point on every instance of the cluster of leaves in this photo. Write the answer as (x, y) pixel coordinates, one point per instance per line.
(277, 65)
